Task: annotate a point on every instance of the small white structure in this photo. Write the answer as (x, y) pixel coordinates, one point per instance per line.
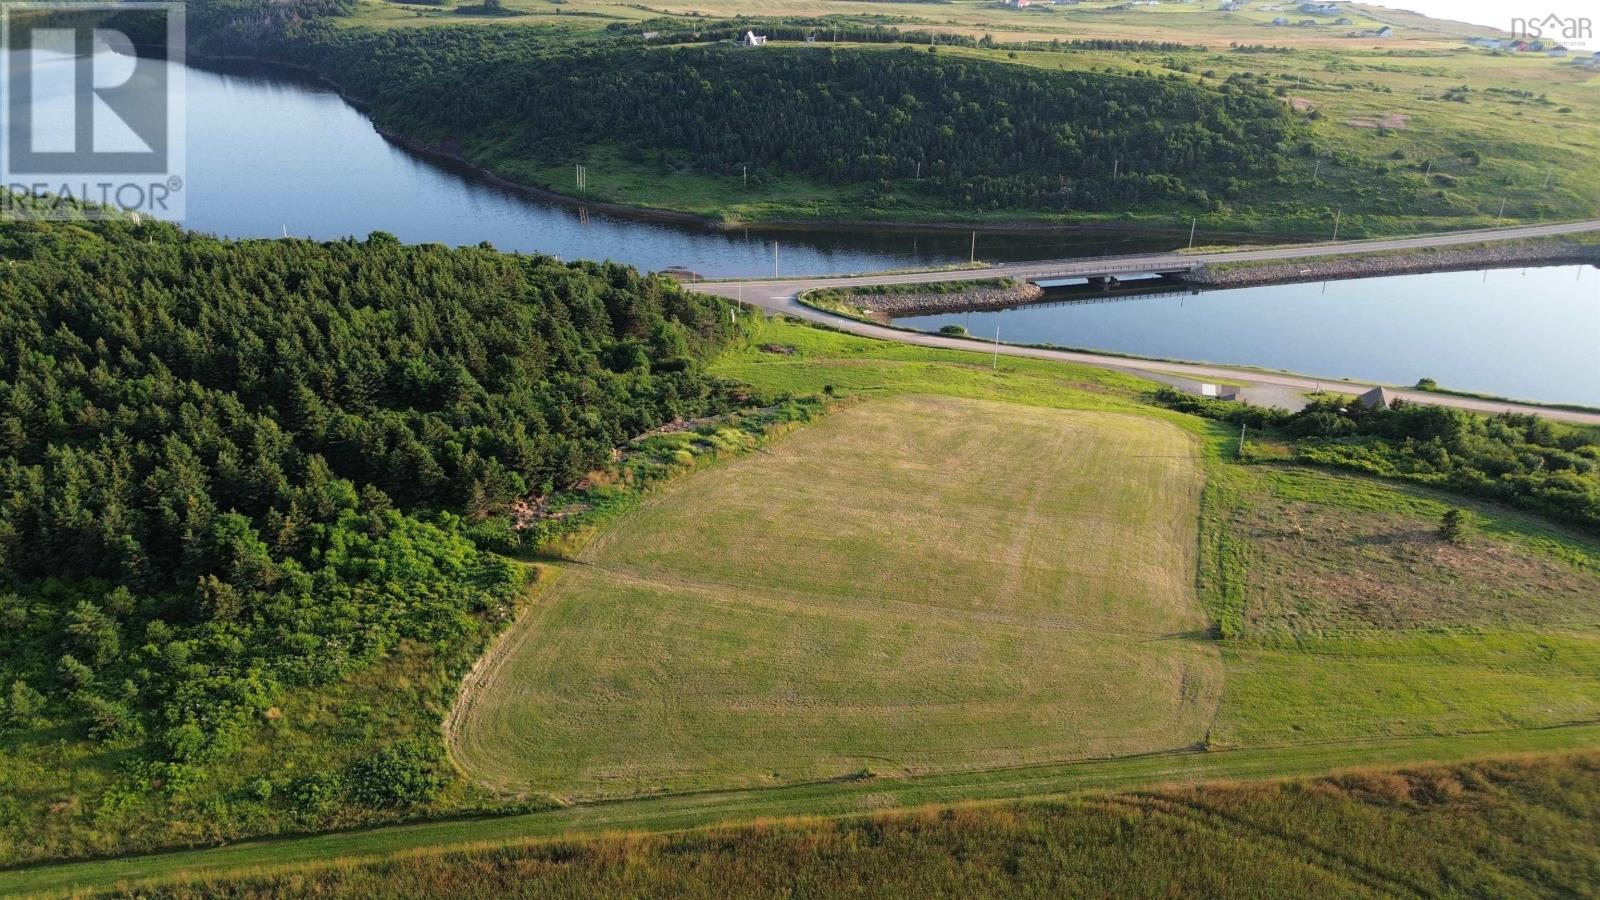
(751, 39)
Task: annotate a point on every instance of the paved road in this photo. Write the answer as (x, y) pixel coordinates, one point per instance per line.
(780, 295)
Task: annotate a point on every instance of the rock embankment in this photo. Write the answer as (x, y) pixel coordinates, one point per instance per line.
(893, 305)
(1488, 256)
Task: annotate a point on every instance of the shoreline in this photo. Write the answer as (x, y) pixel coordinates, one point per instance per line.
(1303, 270)
(1354, 267)
(713, 224)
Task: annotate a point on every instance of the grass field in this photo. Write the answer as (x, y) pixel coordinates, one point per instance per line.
(881, 592)
(1506, 828)
(861, 632)
(1356, 620)
(1487, 829)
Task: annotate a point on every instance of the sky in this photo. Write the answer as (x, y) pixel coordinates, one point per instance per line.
(1494, 13)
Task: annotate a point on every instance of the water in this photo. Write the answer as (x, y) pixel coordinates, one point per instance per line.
(270, 153)
(1521, 333)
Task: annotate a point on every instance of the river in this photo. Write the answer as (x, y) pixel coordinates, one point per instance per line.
(270, 153)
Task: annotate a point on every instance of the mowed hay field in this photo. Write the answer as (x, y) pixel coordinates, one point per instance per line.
(909, 585)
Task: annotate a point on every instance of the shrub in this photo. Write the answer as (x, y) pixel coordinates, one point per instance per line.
(316, 795)
(405, 774)
(1453, 526)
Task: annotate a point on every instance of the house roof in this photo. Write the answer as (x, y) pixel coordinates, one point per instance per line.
(1377, 397)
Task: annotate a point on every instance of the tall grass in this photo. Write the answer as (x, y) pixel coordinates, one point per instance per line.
(1508, 828)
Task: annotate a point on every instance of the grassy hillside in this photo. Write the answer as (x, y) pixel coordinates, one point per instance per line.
(1408, 133)
(1509, 828)
(886, 591)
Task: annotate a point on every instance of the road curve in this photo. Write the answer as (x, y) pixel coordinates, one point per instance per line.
(781, 296)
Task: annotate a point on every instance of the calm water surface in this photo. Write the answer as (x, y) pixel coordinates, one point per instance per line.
(1521, 333)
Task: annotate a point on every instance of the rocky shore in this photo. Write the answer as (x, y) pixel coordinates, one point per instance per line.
(1486, 256)
(892, 305)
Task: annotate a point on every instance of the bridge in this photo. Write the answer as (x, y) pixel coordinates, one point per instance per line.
(781, 295)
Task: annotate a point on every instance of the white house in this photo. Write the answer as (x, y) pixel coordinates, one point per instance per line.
(751, 39)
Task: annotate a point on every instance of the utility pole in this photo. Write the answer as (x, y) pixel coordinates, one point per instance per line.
(1502, 213)
(1242, 427)
(972, 257)
(1317, 170)
(747, 177)
(996, 366)
(1193, 223)
(774, 259)
(1547, 173)
(1116, 167)
(1430, 169)
(919, 170)
(1336, 217)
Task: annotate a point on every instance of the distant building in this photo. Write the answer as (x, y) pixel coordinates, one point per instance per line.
(751, 39)
(1384, 32)
(1230, 5)
(1378, 397)
(1205, 389)
(1556, 51)
(1280, 21)
(1320, 9)
(1344, 21)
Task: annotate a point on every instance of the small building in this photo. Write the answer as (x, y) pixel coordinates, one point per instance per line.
(1344, 20)
(1230, 5)
(751, 39)
(1377, 398)
(1280, 21)
(1556, 51)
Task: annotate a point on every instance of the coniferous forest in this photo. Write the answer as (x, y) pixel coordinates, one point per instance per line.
(231, 470)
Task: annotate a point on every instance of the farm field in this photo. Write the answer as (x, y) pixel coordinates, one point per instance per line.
(892, 536)
(877, 593)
